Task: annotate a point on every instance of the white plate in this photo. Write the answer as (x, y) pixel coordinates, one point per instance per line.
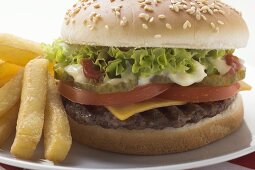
(236, 145)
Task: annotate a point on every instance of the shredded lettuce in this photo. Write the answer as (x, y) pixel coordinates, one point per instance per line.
(144, 62)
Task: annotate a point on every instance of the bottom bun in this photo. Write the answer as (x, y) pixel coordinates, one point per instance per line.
(168, 140)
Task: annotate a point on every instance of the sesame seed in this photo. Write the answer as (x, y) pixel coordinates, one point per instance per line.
(220, 22)
(97, 5)
(145, 26)
(117, 8)
(151, 19)
(148, 2)
(192, 3)
(222, 12)
(204, 17)
(85, 22)
(123, 21)
(185, 7)
(106, 27)
(96, 18)
(148, 8)
(91, 27)
(91, 15)
(210, 11)
(184, 2)
(161, 16)
(168, 26)
(217, 29)
(142, 5)
(190, 11)
(213, 25)
(217, 7)
(68, 22)
(198, 17)
(204, 8)
(178, 3)
(186, 25)
(117, 13)
(157, 36)
(176, 8)
(77, 10)
(144, 16)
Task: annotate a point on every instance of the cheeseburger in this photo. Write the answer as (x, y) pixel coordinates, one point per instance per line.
(149, 77)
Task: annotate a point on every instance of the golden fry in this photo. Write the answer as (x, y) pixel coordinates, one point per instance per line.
(57, 136)
(7, 71)
(10, 93)
(1, 62)
(31, 113)
(8, 123)
(18, 51)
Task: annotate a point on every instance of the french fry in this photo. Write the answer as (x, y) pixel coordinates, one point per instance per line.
(10, 93)
(57, 136)
(8, 123)
(31, 114)
(1, 62)
(7, 71)
(17, 50)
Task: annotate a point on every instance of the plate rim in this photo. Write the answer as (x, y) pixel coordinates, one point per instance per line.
(196, 164)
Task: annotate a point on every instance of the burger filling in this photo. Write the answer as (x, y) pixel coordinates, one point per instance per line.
(158, 118)
(112, 69)
(138, 88)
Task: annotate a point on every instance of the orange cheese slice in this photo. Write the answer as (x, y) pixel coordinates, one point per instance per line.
(124, 112)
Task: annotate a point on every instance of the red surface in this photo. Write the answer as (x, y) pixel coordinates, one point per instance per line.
(247, 161)
(7, 167)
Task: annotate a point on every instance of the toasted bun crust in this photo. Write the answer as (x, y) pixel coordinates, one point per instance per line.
(196, 24)
(169, 140)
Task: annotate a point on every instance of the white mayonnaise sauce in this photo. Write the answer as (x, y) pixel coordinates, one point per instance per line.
(187, 79)
(144, 80)
(76, 71)
(221, 65)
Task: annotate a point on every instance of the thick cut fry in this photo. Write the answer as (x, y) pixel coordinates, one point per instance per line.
(18, 51)
(10, 93)
(7, 71)
(31, 113)
(8, 123)
(57, 136)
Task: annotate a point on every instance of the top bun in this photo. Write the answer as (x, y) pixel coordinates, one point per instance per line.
(194, 24)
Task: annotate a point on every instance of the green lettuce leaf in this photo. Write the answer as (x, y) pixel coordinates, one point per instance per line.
(113, 61)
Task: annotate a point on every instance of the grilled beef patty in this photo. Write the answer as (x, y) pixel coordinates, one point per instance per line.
(160, 118)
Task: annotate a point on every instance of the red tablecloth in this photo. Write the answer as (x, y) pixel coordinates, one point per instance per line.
(245, 162)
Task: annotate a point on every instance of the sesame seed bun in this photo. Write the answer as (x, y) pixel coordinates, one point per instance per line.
(168, 140)
(196, 24)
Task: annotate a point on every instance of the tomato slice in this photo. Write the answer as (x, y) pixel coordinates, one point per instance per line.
(198, 94)
(121, 98)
